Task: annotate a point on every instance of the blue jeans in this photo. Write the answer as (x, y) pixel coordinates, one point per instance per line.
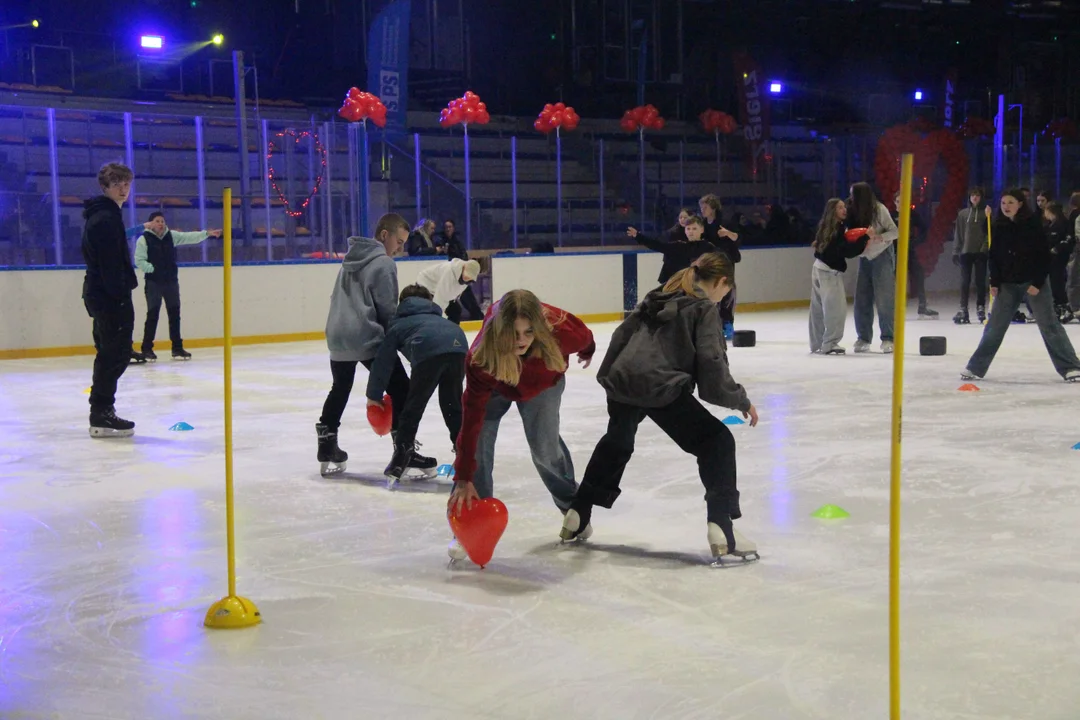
(876, 286)
(540, 416)
(1005, 306)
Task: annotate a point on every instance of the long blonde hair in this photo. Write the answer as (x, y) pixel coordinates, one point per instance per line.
(710, 268)
(495, 352)
(828, 227)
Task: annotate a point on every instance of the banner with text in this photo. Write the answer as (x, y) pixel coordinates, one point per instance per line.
(753, 110)
(388, 62)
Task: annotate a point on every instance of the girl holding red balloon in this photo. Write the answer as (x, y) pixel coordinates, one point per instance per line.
(519, 357)
(833, 247)
(671, 344)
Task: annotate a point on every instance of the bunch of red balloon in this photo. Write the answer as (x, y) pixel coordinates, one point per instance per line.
(716, 121)
(363, 106)
(1063, 128)
(975, 127)
(464, 110)
(643, 117)
(556, 116)
(928, 149)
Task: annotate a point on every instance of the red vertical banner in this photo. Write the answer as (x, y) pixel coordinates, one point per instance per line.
(753, 109)
(950, 115)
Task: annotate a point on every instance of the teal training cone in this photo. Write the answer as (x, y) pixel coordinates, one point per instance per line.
(181, 426)
(1076, 446)
(830, 512)
(733, 420)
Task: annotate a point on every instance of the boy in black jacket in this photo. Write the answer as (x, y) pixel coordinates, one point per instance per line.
(435, 348)
(107, 287)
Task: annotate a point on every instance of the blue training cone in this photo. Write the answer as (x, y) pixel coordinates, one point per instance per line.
(181, 427)
(1076, 446)
(445, 471)
(733, 420)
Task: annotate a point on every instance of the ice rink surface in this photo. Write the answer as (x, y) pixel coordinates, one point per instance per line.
(112, 550)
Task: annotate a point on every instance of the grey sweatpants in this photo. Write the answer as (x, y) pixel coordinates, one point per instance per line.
(828, 308)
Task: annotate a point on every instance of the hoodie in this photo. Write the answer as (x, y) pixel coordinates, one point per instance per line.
(444, 280)
(362, 303)
(886, 228)
(671, 343)
(420, 333)
(970, 231)
(572, 335)
(109, 274)
(155, 254)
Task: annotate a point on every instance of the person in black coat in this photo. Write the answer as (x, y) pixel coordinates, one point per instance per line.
(420, 241)
(916, 273)
(110, 278)
(677, 255)
(1060, 236)
(449, 243)
(1019, 265)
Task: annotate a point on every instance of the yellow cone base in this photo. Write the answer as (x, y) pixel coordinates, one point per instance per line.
(232, 612)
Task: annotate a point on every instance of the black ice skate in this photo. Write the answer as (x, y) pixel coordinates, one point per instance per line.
(925, 312)
(332, 459)
(399, 463)
(981, 313)
(137, 358)
(424, 466)
(962, 318)
(150, 355)
(105, 424)
(180, 354)
(728, 547)
(1064, 313)
(1020, 318)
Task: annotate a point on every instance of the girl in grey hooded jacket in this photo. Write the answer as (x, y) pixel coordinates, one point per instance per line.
(672, 343)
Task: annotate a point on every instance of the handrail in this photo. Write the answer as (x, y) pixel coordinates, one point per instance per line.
(424, 165)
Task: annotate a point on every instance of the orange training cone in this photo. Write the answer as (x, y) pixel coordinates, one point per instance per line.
(968, 387)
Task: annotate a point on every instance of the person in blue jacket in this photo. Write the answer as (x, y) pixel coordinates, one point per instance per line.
(435, 348)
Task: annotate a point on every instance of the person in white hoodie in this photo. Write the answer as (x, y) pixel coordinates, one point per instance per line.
(447, 281)
(877, 268)
(362, 304)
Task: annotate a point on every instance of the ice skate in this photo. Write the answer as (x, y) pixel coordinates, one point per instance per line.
(1072, 376)
(150, 355)
(572, 530)
(835, 350)
(180, 354)
(137, 358)
(966, 374)
(729, 547)
(105, 424)
(981, 313)
(861, 346)
(399, 463)
(456, 552)
(332, 459)
(886, 347)
(926, 313)
(1064, 314)
(962, 318)
(420, 467)
(1020, 318)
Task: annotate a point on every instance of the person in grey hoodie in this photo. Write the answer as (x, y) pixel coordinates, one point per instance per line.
(435, 348)
(970, 254)
(672, 342)
(363, 302)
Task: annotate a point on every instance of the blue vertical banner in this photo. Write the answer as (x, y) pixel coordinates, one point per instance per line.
(388, 63)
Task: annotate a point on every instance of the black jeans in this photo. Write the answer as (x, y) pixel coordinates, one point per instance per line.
(692, 427)
(973, 265)
(155, 293)
(447, 373)
(114, 325)
(344, 373)
(727, 308)
(916, 278)
(468, 301)
(1059, 278)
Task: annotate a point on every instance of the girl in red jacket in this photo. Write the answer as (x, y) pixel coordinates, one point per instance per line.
(520, 356)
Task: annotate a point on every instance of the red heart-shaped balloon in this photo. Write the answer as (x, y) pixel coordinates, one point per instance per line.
(381, 419)
(478, 530)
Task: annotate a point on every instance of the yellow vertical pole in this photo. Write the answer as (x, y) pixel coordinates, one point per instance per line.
(231, 611)
(897, 418)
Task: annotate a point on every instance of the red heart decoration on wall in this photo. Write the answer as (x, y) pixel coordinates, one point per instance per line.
(928, 149)
(478, 530)
(320, 153)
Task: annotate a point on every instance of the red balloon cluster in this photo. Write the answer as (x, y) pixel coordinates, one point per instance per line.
(381, 419)
(715, 121)
(556, 116)
(479, 529)
(1063, 128)
(938, 145)
(363, 106)
(975, 127)
(465, 109)
(644, 117)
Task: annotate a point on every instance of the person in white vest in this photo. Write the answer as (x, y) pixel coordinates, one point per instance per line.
(447, 281)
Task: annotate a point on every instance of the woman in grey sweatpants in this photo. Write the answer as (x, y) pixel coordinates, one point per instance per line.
(828, 300)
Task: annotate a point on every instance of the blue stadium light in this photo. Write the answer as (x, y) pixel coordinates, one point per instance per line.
(776, 88)
(152, 42)
(918, 96)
